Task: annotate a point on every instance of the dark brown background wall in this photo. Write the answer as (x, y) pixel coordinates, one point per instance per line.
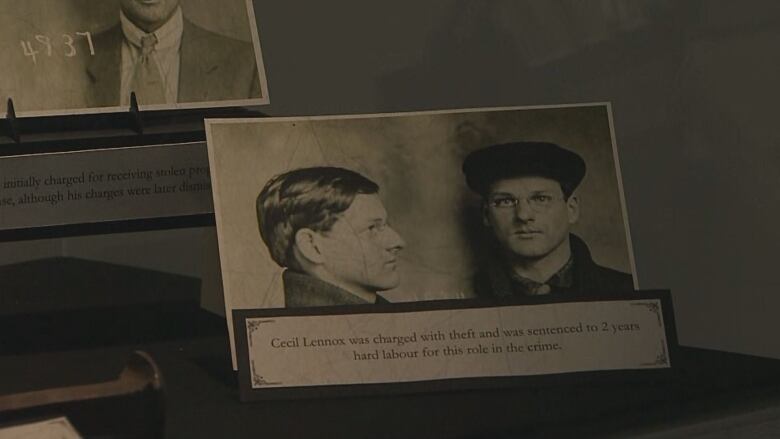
(694, 92)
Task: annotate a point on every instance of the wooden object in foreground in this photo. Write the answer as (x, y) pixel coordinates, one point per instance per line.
(132, 406)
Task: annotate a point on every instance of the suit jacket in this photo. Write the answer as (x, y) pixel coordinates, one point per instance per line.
(588, 278)
(302, 290)
(212, 68)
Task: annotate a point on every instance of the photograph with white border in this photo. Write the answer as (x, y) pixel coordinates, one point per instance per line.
(88, 56)
(338, 210)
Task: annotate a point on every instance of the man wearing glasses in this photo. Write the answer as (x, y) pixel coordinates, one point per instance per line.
(529, 205)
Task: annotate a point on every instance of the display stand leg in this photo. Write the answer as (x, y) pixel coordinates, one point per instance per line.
(13, 122)
(136, 121)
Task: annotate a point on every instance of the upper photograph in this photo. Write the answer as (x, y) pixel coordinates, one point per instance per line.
(90, 56)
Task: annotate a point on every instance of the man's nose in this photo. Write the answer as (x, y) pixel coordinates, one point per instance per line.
(523, 210)
(394, 241)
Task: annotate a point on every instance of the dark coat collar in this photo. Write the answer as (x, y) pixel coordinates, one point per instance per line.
(301, 290)
(586, 275)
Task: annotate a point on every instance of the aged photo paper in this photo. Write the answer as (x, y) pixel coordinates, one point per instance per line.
(383, 208)
(87, 56)
(372, 348)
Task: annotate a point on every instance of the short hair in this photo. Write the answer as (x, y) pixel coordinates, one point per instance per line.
(312, 198)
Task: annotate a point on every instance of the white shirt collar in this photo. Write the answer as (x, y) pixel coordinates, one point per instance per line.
(168, 35)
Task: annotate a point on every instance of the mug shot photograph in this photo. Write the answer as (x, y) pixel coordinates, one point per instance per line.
(328, 229)
(405, 207)
(88, 56)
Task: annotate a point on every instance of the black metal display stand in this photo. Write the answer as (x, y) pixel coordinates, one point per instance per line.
(53, 134)
(46, 134)
(12, 124)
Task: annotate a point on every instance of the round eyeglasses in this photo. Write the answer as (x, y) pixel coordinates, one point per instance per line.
(536, 202)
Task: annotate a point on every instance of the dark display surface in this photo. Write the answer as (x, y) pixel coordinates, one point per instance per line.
(57, 344)
(202, 398)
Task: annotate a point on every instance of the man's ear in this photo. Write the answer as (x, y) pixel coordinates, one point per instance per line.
(573, 208)
(485, 220)
(307, 244)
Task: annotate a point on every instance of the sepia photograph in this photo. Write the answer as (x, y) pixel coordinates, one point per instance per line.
(404, 207)
(89, 56)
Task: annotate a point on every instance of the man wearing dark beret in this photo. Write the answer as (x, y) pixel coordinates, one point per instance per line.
(529, 205)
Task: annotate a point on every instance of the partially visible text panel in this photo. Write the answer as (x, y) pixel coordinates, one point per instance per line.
(104, 185)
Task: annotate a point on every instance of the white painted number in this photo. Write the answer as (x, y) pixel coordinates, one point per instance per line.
(89, 40)
(69, 42)
(46, 41)
(29, 51)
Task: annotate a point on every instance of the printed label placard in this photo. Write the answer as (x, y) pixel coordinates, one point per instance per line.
(501, 341)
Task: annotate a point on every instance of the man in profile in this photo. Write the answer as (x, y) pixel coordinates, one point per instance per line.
(157, 53)
(328, 228)
(529, 205)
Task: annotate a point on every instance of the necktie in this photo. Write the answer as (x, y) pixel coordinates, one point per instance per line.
(147, 79)
(541, 290)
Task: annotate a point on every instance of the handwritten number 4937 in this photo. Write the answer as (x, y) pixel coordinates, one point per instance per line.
(47, 46)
